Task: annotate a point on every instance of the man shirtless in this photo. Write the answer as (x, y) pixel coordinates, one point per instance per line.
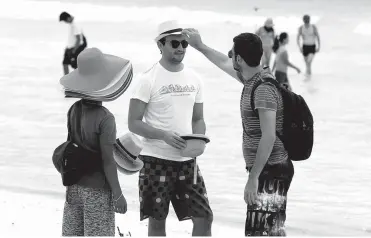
(310, 42)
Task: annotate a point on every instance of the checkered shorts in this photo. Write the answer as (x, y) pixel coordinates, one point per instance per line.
(162, 181)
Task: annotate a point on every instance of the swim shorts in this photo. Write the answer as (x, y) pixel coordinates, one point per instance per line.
(162, 181)
(309, 49)
(268, 216)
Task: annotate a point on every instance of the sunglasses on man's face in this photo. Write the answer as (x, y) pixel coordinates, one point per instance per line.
(175, 44)
(230, 54)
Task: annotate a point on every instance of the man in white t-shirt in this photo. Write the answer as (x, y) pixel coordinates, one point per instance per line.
(169, 96)
(76, 42)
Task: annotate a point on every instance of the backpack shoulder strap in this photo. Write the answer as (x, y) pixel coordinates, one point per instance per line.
(69, 123)
(78, 116)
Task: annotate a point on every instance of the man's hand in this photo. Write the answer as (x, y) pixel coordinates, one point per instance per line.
(193, 37)
(173, 139)
(251, 191)
(317, 50)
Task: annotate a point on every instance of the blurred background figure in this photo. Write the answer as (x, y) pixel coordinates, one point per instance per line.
(266, 33)
(281, 62)
(75, 44)
(310, 42)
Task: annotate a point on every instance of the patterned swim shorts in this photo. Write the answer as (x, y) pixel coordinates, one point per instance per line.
(162, 181)
(268, 216)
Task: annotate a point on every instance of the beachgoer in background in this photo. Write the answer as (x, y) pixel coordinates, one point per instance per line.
(270, 170)
(310, 44)
(281, 61)
(76, 42)
(91, 203)
(170, 98)
(266, 34)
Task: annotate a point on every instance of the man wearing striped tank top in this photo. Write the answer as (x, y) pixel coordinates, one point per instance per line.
(269, 170)
(310, 42)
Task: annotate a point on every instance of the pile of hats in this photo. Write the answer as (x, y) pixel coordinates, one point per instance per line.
(99, 77)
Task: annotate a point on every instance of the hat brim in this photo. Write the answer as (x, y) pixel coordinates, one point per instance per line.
(125, 83)
(90, 83)
(126, 172)
(196, 136)
(125, 161)
(167, 34)
(114, 85)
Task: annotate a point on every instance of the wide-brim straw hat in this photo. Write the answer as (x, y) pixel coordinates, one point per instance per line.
(106, 95)
(96, 72)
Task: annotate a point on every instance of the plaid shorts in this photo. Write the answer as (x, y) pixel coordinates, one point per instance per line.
(162, 181)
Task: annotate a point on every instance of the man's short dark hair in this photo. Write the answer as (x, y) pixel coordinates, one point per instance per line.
(250, 47)
(64, 16)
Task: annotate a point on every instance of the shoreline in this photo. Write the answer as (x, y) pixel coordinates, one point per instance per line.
(21, 208)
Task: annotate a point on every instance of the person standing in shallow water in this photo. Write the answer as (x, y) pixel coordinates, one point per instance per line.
(311, 42)
(76, 42)
(267, 35)
(269, 170)
(281, 62)
(169, 96)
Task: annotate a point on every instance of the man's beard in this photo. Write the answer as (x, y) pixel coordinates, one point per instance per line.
(177, 60)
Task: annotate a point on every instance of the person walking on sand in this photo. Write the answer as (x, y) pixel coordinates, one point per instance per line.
(281, 62)
(76, 42)
(310, 44)
(169, 96)
(267, 35)
(92, 201)
(270, 170)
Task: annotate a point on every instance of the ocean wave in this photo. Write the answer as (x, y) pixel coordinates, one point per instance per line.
(363, 28)
(87, 12)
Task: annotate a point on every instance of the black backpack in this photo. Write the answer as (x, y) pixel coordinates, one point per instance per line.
(73, 161)
(297, 134)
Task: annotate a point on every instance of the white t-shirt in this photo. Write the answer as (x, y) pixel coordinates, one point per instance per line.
(73, 31)
(170, 97)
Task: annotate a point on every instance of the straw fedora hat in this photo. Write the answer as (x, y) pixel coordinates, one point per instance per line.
(269, 22)
(95, 71)
(196, 144)
(126, 151)
(168, 28)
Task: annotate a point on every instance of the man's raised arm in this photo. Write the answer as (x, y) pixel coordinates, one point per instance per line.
(219, 59)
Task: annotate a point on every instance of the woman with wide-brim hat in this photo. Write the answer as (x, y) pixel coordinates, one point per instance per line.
(91, 203)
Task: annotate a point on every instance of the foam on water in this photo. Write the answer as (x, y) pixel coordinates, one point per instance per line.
(87, 12)
(363, 28)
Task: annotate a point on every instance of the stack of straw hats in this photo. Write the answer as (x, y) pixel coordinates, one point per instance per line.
(99, 77)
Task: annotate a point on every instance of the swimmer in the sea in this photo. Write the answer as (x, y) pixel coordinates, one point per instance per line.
(281, 62)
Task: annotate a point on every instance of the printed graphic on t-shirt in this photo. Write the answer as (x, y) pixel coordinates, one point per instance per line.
(177, 90)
